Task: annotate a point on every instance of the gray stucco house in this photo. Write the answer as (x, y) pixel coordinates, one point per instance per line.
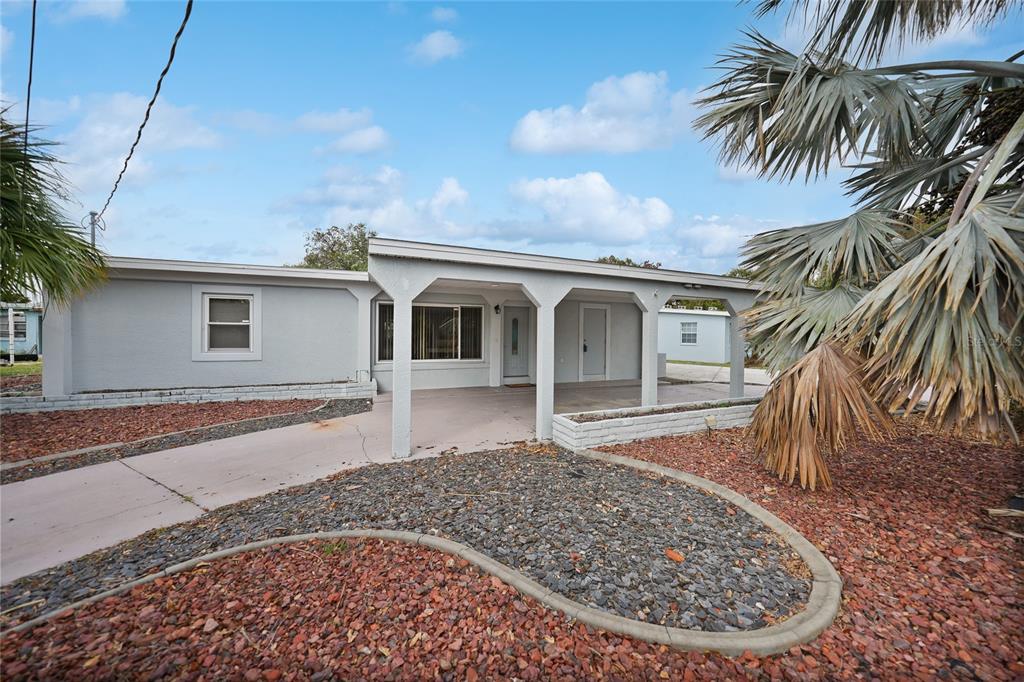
(423, 316)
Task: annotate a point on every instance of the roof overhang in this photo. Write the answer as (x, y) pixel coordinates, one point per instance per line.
(124, 268)
(398, 248)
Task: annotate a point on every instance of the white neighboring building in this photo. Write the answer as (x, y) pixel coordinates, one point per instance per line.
(694, 335)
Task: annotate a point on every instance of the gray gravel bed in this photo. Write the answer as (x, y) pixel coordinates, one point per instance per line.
(330, 410)
(594, 532)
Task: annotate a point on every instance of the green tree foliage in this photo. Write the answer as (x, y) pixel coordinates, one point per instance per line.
(922, 286)
(39, 249)
(681, 303)
(338, 248)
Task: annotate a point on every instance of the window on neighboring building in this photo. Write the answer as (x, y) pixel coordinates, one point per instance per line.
(688, 333)
(228, 323)
(439, 332)
(19, 325)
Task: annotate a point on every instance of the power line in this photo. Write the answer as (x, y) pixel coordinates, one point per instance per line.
(149, 107)
(31, 62)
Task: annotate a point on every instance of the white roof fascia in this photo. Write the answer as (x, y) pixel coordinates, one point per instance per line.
(398, 248)
(123, 266)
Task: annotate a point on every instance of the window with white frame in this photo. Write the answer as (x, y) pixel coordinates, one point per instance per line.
(688, 333)
(226, 322)
(439, 332)
(20, 326)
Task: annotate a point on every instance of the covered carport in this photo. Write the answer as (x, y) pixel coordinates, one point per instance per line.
(408, 271)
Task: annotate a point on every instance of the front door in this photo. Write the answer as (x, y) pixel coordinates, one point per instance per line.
(594, 346)
(516, 355)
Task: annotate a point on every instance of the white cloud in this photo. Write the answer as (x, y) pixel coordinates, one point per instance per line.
(622, 114)
(6, 40)
(96, 147)
(587, 207)
(88, 9)
(361, 141)
(716, 238)
(443, 15)
(436, 46)
(340, 121)
(377, 199)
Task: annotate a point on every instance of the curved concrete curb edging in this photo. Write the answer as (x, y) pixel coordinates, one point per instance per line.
(816, 616)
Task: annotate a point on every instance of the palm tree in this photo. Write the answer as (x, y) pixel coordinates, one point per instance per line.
(39, 250)
(920, 291)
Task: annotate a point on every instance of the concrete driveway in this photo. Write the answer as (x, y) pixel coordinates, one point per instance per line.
(56, 518)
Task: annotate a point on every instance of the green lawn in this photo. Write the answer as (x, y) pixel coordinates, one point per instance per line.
(21, 369)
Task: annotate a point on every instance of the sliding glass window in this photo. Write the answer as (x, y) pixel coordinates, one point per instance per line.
(439, 332)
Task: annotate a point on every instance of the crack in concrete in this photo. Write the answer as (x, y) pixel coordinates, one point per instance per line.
(184, 498)
(362, 443)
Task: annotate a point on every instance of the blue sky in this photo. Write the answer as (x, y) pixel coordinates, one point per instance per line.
(548, 128)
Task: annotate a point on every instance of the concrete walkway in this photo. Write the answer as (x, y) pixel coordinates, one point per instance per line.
(715, 374)
(56, 518)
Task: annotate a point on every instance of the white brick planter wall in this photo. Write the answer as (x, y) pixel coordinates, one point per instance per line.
(85, 401)
(637, 423)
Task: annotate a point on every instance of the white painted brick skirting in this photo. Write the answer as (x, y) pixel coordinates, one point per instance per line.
(633, 423)
(85, 401)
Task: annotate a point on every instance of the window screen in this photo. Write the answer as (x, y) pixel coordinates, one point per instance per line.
(19, 325)
(228, 323)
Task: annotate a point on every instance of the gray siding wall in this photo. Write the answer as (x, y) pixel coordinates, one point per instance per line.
(712, 337)
(135, 334)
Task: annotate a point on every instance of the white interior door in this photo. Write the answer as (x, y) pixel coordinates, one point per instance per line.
(516, 355)
(593, 343)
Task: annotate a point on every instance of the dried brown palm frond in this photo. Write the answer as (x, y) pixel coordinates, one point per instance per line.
(811, 411)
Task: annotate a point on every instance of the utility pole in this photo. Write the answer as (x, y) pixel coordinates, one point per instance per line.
(94, 220)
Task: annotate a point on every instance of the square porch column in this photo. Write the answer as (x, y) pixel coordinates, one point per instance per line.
(649, 359)
(737, 356)
(545, 370)
(364, 349)
(401, 379)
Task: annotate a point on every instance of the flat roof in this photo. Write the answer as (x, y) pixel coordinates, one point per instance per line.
(123, 264)
(685, 311)
(399, 248)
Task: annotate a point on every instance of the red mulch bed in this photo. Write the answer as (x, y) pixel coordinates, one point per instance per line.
(929, 593)
(372, 611)
(43, 433)
(20, 380)
(929, 589)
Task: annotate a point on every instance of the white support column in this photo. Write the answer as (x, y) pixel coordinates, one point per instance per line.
(545, 368)
(57, 376)
(649, 358)
(737, 355)
(401, 379)
(364, 348)
(495, 338)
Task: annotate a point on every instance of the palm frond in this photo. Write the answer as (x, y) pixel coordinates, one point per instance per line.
(780, 331)
(812, 410)
(859, 249)
(785, 114)
(949, 323)
(855, 30)
(39, 249)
